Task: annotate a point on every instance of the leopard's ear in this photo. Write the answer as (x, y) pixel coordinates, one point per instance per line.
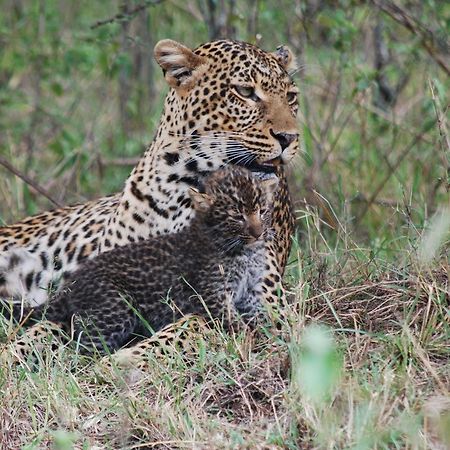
(286, 58)
(200, 201)
(181, 66)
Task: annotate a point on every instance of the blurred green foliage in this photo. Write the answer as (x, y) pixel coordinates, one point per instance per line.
(78, 100)
(316, 365)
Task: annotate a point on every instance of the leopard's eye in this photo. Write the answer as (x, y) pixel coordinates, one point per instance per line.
(246, 92)
(291, 97)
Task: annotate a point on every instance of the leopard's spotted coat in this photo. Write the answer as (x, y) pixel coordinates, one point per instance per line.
(229, 103)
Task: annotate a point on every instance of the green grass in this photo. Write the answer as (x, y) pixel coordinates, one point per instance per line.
(361, 362)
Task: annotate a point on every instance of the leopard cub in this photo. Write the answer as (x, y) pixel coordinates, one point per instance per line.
(214, 268)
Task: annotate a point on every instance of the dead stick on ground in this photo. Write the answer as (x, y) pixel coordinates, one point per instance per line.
(7, 165)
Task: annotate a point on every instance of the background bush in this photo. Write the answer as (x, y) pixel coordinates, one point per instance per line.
(80, 98)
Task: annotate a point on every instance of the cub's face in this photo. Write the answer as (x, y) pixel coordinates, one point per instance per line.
(233, 101)
(236, 205)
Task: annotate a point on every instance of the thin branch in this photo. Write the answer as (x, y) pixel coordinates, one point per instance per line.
(8, 166)
(416, 27)
(361, 198)
(393, 169)
(359, 101)
(120, 17)
(188, 8)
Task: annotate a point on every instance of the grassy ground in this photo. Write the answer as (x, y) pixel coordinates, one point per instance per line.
(362, 362)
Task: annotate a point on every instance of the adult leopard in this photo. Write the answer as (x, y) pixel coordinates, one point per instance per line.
(229, 103)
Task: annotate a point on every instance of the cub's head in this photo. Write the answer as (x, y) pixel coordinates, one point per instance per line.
(231, 102)
(236, 205)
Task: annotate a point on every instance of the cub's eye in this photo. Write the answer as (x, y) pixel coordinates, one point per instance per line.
(246, 92)
(236, 215)
(291, 97)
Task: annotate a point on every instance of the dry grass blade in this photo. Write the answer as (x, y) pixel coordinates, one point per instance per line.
(239, 390)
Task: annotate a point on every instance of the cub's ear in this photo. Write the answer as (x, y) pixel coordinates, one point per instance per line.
(201, 202)
(181, 66)
(286, 58)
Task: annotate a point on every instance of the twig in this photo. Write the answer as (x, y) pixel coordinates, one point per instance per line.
(414, 26)
(129, 15)
(188, 8)
(387, 94)
(7, 165)
(337, 137)
(361, 198)
(393, 169)
(359, 101)
(336, 94)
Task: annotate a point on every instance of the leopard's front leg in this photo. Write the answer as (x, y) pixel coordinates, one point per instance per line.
(266, 293)
(180, 337)
(283, 222)
(41, 336)
(273, 294)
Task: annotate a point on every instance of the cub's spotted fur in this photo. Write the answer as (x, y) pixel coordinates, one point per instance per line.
(230, 103)
(212, 268)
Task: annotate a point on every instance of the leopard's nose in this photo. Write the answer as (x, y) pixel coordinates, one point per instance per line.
(285, 139)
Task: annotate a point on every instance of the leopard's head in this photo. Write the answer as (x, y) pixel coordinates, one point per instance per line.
(230, 102)
(235, 205)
